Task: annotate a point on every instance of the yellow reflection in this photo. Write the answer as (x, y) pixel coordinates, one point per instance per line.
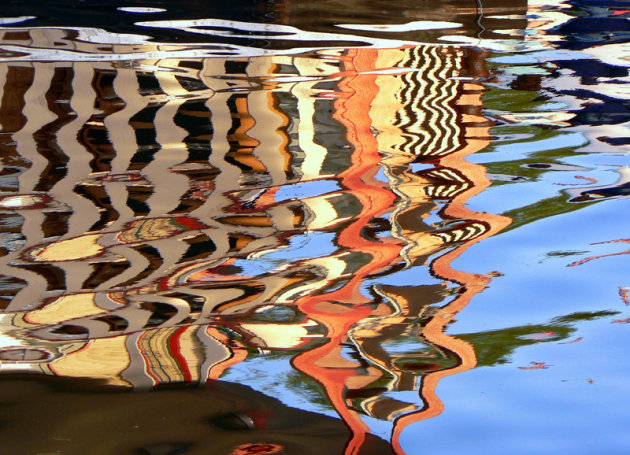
(83, 247)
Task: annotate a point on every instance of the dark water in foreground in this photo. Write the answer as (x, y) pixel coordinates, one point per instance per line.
(314, 227)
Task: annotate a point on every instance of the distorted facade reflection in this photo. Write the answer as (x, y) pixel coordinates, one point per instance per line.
(167, 219)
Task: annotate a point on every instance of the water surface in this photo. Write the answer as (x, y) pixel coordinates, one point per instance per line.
(334, 227)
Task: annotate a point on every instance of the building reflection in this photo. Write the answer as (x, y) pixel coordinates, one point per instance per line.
(164, 221)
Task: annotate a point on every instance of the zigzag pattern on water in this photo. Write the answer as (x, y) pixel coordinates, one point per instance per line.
(166, 219)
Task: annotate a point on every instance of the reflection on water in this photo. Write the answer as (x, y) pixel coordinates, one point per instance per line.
(184, 197)
(226, 418)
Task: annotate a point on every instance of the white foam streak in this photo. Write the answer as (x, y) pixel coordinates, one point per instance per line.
(15, 20)
(408, 27)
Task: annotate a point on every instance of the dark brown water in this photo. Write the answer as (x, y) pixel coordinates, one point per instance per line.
(333, 227)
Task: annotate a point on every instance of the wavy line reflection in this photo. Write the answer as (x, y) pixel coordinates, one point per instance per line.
(166, 222)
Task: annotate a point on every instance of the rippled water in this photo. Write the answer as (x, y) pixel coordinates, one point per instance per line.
(314, 227)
